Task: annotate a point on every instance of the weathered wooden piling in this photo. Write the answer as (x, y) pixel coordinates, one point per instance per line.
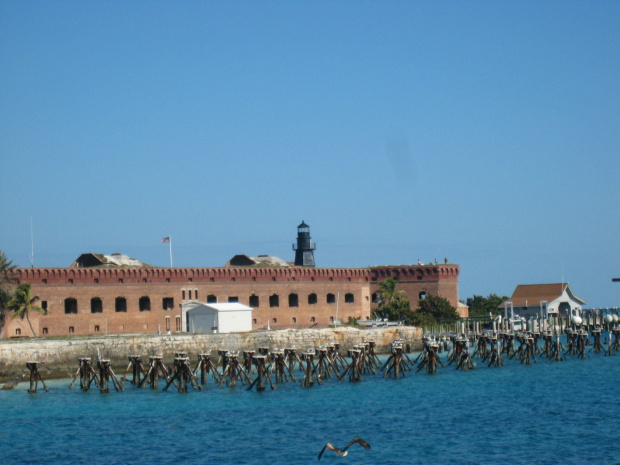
(495, 353)
(292, 357)
(372, 361)
(324, 367)
(261, 373)
(137, 370)
(355, 368)
(429, 357)
(156, 369)
(106, 374)
(613, 347)
(465, 362)
(308, 358)
(35, 376)
(248, 356)
(482, 347)
(234, 370)
(182, 373)
(223, 360)
(333, 352)
(396, 363)
(87, 374)
(508, 343)
(597, 345)
(525, 353)
(536, 335)
(557, 354)
(205, 366)
(281, 368)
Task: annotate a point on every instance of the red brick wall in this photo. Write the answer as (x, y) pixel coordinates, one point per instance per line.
(351, 289)
(441, 280)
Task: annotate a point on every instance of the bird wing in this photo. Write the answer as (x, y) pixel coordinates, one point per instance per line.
(329, 446)
(359, 441)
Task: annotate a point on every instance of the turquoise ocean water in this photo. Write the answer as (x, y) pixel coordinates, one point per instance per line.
(547, 413)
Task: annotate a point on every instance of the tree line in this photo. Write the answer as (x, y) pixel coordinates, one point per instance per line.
(431, 310)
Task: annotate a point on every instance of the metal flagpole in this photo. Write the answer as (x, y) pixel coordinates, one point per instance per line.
(168, 239)
(170, 243)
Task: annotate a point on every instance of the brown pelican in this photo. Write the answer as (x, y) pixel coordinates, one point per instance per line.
(343, 452)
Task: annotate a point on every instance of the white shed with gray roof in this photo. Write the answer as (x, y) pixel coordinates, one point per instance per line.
(231, 317)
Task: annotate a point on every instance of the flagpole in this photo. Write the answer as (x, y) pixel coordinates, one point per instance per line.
(31, 245)
(170, 243)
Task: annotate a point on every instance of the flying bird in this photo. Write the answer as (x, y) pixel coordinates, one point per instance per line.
(343, 452)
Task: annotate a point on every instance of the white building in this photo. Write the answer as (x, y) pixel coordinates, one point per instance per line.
(231, 317)
(556, 299)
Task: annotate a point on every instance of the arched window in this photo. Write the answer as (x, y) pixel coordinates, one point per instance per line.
(254, 302)
(293, 300)
(145, 304)
(274, 300)
(312, 300)
(331, 298)
(120, 304)
(96, 306)
(211, 299)
(71, 305)
(422, 295)
(167, 303)
(348, 298)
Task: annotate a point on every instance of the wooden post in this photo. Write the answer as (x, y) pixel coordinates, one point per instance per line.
(35, 376)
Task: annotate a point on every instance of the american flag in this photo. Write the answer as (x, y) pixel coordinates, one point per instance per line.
(165, 239)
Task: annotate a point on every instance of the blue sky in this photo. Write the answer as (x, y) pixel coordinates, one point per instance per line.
(484, 132)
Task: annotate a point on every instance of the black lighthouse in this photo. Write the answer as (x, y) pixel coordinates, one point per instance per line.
(304, 253)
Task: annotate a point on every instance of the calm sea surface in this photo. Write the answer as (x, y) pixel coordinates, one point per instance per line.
(547, 413)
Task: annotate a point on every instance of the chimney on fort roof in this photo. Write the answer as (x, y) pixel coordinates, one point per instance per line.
(304, 253)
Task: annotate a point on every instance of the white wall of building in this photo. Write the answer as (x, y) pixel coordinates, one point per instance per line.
(230, 317)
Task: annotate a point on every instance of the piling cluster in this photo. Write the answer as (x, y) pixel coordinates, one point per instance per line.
(255, 369)
(489, 345)
(267, 367)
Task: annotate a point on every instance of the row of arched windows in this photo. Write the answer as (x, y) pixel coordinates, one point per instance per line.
(120, 304)
(293, 299)
(144, 303)
(375, 296)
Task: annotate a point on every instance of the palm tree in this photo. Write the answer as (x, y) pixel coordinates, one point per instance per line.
(22, 304)
(387, 289)
(6, 280)
(393, 303)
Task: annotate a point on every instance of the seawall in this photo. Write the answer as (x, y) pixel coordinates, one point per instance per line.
(59, 357)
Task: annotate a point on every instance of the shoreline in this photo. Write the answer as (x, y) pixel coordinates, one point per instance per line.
(58, 357)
